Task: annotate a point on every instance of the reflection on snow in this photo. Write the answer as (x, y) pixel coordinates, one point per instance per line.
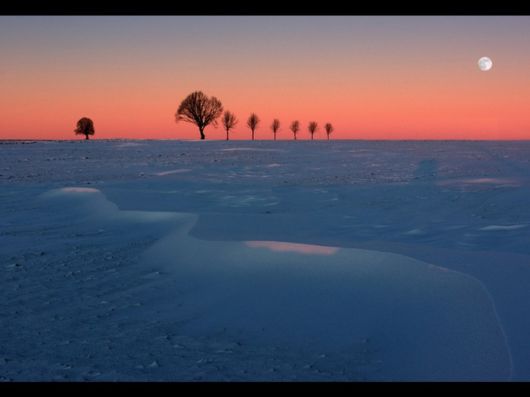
(501, 227)
(497, 181)
(308, 249)
(172, 172)
(506, 182)
(77, 190)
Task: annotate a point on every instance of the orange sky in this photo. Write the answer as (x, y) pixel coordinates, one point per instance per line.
(372, 77)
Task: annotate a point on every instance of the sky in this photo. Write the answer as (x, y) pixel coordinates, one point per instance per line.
(372, 77)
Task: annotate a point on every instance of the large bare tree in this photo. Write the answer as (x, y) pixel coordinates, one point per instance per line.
(252, 123)
(312, 127)
(295, 127)
(329, 129)
(229, 122)
(85, 126)
(275, 126)
(199, 109)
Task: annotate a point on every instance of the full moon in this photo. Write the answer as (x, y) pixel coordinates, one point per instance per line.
(485, 64)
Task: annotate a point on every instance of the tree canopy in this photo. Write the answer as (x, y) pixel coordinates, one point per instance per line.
(199, 109)
(85, 126)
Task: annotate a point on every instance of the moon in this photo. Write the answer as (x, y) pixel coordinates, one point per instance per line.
(485, 64)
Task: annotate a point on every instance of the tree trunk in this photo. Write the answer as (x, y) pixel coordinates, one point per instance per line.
(227, 135)
(252, 134)
(274, 136)
(311, 136)
(86, 136)
(328, 137)
(201, 130)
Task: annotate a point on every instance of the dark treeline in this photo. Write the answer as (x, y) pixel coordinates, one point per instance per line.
(201, 110)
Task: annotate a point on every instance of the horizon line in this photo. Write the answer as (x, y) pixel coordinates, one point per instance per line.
(264, 140)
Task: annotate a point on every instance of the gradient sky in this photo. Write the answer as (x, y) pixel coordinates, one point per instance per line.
(386, 77)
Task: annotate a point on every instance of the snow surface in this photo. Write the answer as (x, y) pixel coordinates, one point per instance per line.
(340, 260)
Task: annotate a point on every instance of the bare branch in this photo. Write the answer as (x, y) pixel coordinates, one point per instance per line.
(275, 126)
(252, 123)
(200, 110)
(312, 127)
(329, 129)
(295, 127)
(229, 122)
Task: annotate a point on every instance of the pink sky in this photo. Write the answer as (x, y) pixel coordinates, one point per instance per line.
(372, 77)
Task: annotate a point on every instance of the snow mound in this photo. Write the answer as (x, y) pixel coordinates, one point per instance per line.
(423, 321)
(427, 322)
(92, 204)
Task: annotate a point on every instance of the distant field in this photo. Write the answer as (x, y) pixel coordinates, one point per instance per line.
(263, 260)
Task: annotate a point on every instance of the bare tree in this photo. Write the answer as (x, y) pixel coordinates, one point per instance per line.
(329, 129)
(295, 127)
(275, 126)
(229, 122)
(199, 109)
(85, 126)
(312, 127)
(252, 123)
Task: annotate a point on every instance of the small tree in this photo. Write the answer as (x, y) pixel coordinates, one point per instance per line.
(252, 123)
(199, 109)
(85, 126)
(312, 127)
(275, 126)
(295, 127)
(329, 129)
(229, 122)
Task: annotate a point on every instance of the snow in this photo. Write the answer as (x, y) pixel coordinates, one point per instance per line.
(280, 246)
(180, 260)
(163, 173)
(502, 227)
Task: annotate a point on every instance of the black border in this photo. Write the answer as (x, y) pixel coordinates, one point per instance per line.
(268, 7)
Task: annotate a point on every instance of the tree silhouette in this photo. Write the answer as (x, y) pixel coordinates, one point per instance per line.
(229, 122)
(200, 110)
(85, 126)
(295, 127)
(329, 129)
(252, 123)
(312, 127)
(275, 126)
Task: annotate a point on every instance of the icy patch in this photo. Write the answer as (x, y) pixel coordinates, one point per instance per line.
(172, 172)
(502, 227)
(279, 246)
